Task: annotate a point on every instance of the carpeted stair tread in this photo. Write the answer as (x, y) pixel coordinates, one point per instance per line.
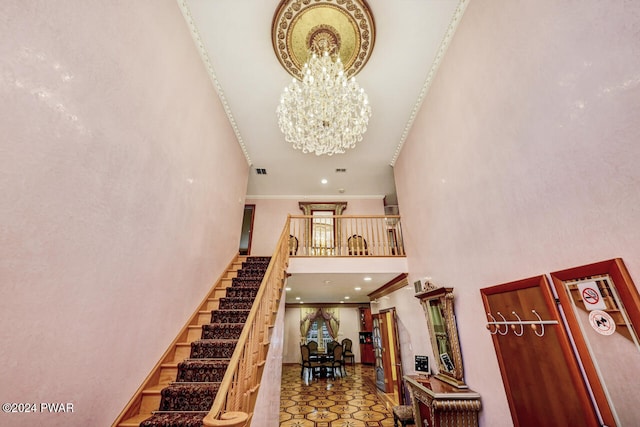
(229, 316)
(236, 303)
(213, 349)
(194, 370)
(251, 273)
(228, 331)
(254, 263)
(258, 259)
(241, 292)
(188, 397)
(246, 281)
(174, 419)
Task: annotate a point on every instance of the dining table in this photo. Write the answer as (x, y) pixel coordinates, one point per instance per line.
(321, 357)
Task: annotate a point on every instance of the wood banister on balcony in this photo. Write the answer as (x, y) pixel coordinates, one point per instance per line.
(345, 235)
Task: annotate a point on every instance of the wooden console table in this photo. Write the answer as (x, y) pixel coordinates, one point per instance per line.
(441, 404)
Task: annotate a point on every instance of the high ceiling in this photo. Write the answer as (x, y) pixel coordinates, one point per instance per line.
(234, 38)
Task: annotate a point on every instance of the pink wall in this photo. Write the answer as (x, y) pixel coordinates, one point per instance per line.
(123, 188)
(271, 215)
(524, 158)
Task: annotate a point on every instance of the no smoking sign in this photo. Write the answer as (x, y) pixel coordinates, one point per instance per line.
(591, 296)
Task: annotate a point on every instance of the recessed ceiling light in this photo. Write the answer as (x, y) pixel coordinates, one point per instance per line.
(297, 298)
(324, 181)
(357, 288)
(287, 289)
(301, 302)
(341, 302)
(367, 279)
(347, 297)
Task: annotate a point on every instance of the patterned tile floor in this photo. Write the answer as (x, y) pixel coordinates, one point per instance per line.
(351, 401)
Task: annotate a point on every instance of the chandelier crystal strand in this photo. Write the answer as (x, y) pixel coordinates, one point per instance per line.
(326, 113)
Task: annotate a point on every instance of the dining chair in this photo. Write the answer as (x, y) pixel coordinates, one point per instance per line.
(347, 352)
(293, 245)
(331, 345)
(313, 346)
(307, 363)
(335, 362)
(357, 245)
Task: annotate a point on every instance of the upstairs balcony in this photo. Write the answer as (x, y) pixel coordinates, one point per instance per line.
(329, 235)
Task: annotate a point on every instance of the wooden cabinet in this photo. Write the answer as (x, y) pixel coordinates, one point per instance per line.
(365, 337)
(441, 404)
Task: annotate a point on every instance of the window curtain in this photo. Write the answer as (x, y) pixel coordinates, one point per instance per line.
(307, 316)
(331, 317)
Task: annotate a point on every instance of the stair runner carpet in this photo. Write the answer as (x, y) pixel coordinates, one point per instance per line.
(185, 402)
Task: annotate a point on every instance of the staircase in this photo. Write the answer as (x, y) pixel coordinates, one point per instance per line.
(181, 390)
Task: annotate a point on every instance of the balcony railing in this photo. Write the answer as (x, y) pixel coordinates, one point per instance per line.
(345, 236)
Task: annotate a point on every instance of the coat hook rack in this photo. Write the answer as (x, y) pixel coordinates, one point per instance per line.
(535, 324)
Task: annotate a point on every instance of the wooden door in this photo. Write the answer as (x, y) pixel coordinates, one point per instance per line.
(387, 350)
(378, 351)
(602, 308)
(541, 375)
(246, 232)
(394, 372)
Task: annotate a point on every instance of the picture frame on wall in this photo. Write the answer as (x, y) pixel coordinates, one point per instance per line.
(422, 364)
(446, 361)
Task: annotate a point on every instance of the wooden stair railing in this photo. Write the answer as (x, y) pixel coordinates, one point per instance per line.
(233, 405)
(147, 397)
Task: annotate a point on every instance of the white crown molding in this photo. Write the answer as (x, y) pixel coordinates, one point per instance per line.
(453, 25)
(315, 198)
(186, 13)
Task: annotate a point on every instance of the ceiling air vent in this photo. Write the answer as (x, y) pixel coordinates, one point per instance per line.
(260, 171)
(340, 170)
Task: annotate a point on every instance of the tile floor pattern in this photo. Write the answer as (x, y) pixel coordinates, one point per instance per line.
(351, 401)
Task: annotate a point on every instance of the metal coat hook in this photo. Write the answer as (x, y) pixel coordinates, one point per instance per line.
(515, 323)
(534, 326)
(504, 322)
(493, 322)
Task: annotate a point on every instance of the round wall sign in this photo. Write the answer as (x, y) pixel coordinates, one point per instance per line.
(602, 322)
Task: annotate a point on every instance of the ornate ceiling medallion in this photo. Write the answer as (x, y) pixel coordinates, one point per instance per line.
(344, 27)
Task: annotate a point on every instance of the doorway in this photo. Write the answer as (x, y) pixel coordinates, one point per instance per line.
(323, 233)
(602, 308)
(377, 352)
(247, 229)
(389, 376)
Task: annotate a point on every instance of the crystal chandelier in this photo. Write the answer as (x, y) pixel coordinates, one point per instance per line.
(326, 113)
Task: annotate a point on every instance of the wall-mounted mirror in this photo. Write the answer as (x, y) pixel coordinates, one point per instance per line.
(437, 303)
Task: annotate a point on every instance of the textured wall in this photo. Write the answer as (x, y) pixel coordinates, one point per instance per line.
(524, 158)
(122, 192)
